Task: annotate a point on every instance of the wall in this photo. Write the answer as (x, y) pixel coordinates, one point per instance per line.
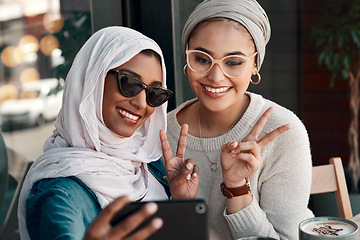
(280, 72)
(326, 111)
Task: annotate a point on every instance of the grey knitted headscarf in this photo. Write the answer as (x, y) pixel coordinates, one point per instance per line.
(249, 13)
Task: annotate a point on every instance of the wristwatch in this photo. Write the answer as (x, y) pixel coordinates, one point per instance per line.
(235, 192)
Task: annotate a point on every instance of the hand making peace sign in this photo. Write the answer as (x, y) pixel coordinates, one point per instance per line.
(183, 175)
(240, 160)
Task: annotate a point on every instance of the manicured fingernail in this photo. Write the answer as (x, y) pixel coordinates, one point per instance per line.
(188, 177)
(157, 222)
(151, 207)
(194, 174)
(188, 166)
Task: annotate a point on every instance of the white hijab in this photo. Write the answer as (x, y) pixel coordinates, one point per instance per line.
(81, 145)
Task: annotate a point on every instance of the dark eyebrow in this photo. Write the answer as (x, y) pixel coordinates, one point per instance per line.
(203, 50)
(228, 54)
(131, 72)
(139, 77)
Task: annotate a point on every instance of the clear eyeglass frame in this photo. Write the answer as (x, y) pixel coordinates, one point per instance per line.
(218, 61)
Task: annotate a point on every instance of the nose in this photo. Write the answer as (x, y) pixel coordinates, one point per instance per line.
(216, 74)
(139, 101)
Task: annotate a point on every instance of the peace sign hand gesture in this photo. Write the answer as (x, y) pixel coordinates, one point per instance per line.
(240, 160)
(183, 175)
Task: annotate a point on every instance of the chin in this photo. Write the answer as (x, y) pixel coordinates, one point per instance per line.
(122, 133)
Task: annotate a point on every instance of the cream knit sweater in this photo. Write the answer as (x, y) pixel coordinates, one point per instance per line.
(280, 187)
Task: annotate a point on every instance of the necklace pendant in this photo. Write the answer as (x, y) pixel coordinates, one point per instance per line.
(214, 166)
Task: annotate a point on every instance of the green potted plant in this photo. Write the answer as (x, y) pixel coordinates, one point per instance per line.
(337, 40)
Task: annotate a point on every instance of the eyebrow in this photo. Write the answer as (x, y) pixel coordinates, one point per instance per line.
(138, 76)
(228, 54)
(131, 72)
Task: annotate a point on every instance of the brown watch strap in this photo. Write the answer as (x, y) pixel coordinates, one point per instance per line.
(235, 192)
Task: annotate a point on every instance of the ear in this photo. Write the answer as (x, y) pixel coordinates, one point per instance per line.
(255, 70)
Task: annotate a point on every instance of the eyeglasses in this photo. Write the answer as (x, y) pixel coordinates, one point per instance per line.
(232, 66)
(130, 86)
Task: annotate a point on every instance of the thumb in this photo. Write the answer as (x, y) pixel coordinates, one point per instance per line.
(228, 147)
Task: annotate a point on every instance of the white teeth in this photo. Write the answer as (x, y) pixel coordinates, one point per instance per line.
(216, 90)
(128, 115)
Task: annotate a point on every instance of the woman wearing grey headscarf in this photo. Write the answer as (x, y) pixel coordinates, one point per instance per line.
(254, 155)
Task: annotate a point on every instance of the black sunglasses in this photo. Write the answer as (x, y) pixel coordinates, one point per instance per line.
(130, 86)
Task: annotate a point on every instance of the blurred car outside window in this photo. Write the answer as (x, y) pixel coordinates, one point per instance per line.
(38, 102)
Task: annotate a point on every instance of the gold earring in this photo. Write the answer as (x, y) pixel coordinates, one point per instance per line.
(259, 79)
(184, 69)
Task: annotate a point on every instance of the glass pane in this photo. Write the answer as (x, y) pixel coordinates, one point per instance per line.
(38, 42)
(182, 10)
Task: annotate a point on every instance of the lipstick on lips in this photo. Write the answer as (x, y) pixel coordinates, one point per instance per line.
(129, 116)
(216, 91)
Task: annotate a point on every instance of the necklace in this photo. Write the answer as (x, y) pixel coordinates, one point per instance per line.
(215, 165)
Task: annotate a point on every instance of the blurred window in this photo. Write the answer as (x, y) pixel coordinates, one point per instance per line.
(38, 42)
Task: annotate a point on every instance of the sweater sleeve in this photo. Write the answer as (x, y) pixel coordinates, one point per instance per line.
(282, 185)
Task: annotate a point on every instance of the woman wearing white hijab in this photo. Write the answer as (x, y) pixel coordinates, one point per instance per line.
(254, 155)
(106, 142)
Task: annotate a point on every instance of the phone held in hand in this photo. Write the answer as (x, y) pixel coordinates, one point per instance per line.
(183, 219)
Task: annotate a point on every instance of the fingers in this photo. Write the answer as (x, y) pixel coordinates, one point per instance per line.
(167, 153)
(148, 230)
(229, 147)
(256, 130)
(129, 224)
(246, 147)
(190, 171)
(105, 216)
(259, 126)
(101, 228)
(272, 135)
(247, 151)
(196, 171)
(180, 152)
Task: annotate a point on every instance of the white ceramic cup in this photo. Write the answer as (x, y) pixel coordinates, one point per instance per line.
(319, 228)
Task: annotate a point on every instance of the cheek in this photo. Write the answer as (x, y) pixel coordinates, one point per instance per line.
(149, 112)
(243, 83)
(194, 77)
(194, 82)
(105, 111)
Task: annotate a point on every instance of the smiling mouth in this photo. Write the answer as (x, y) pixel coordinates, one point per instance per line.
(128, 115)
(216, 90)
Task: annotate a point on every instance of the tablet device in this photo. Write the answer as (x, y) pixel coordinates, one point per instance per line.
(183, 219)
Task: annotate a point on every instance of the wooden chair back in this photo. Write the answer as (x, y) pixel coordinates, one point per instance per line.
(331, 178)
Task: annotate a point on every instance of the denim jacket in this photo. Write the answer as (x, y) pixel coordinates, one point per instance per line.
(64, 207)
